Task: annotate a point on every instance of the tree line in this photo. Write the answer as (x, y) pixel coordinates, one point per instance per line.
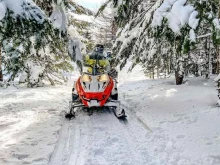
(168, 36)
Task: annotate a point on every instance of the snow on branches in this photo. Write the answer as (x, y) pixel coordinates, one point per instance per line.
(26, 9)
(169, 36)
(34, 45)
(2, 10)
(178, 15)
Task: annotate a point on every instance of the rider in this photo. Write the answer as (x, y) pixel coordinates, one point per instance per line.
(97, 56)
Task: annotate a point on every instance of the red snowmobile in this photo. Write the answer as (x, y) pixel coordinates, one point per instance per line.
(95, 90)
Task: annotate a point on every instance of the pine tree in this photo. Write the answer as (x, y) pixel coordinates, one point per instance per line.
(80, 32)
(33, 46)
(201, 22)
(1, 74)
(107, 28)
(151, 36)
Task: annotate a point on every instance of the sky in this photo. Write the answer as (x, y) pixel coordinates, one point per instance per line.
(90, 4)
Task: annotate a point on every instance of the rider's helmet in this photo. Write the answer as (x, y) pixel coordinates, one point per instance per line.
(99, 48)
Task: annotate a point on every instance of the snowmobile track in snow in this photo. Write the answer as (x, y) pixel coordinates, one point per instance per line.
(130, 113)
(101, 139)
(69, 143)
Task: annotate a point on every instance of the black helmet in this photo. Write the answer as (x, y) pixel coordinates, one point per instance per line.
(99, 48)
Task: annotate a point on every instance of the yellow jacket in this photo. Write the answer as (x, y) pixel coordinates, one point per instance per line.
(101, 62)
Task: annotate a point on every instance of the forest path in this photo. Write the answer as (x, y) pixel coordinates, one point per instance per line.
(101, 139)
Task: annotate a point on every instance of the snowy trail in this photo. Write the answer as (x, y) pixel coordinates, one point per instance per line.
(70, 140)
(101, 139)
(166, 125)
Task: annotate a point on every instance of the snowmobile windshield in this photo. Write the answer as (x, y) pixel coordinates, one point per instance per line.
(96, 64)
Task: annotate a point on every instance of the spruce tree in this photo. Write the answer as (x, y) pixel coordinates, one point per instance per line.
(151, 37)
(32, 46)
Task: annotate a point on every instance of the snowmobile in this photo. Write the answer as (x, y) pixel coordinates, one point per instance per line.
(95, 90)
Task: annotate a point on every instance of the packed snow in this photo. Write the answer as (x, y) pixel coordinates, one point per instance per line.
(167, 124)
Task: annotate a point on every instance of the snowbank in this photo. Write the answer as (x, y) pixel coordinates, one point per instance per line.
(183, 119)
(29, 123)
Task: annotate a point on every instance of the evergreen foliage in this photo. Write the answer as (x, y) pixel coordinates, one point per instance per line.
(32, 46)
(152, 36)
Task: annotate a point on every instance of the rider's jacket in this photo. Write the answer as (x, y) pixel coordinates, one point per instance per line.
(91, 60)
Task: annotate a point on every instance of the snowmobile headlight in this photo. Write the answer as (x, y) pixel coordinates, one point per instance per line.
(103, 78)
(86, 78)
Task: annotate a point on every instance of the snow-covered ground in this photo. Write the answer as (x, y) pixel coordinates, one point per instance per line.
(167, 125)
(183, 119)
(29, 123)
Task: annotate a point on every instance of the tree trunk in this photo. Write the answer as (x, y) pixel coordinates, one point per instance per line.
(207, 59)
(179, 78)
(158, 74)
(178, 73)
(219, 10)
(153, 73)
(217, 48)
(210, 59)
(1, 74)
(218, 60)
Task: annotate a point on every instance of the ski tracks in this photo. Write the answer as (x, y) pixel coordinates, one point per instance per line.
(70, 146)
(101, 139)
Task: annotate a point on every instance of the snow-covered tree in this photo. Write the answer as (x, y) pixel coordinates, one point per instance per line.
(80, 32)
(166, 35)
(31, 44)
(80, 21)
(124, 10)
(106, 27)
(187, 21)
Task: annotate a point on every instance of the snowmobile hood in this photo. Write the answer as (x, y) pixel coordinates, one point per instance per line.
(94, 83)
